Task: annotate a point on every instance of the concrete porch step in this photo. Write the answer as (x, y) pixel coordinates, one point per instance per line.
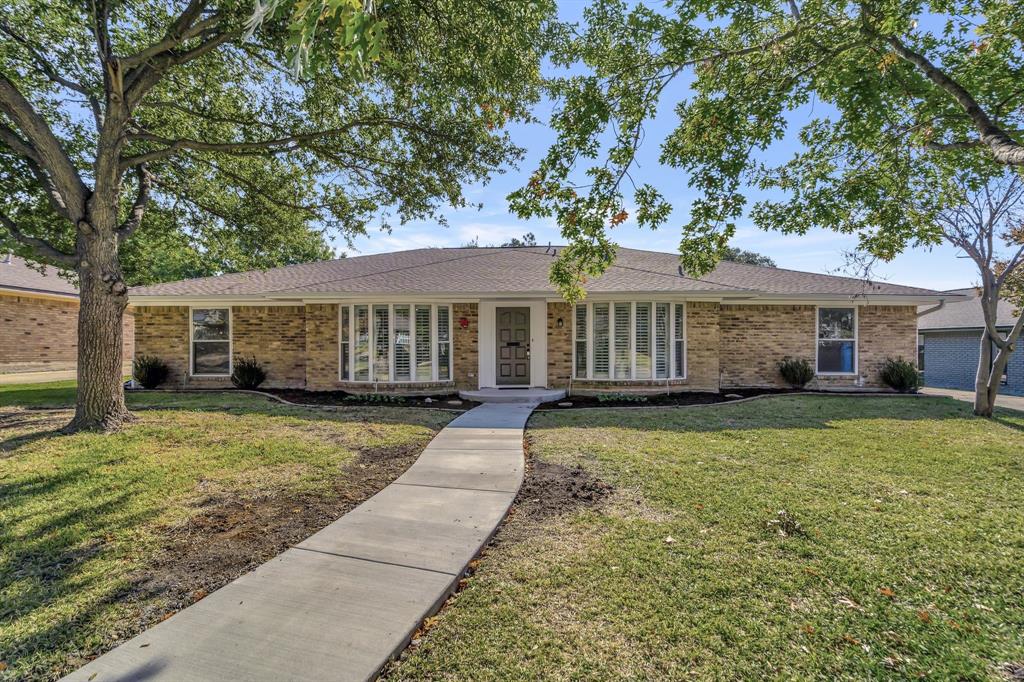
(514, 395)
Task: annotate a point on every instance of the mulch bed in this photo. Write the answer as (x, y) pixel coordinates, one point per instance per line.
(294, 395)
(673, 399)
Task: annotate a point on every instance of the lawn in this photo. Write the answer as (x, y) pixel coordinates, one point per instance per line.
(794, 537)
(102, 536)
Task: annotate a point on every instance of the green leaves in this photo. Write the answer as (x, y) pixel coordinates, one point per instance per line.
(880, 137)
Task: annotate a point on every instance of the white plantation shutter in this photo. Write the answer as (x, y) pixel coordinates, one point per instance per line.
(381, 345)
(679, 341)
(345, 361)
(661, 340)
(643, 340)
(623, 352)
(424, 361)
(444, 343)
(403, 344)
(601, 337)
(580, 341)
(362, 343)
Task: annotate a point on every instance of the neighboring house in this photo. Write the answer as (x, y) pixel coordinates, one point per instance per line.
(950, 339)
(435, 320)
(39, 320)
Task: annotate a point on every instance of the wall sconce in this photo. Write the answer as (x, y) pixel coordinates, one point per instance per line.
(560, 323)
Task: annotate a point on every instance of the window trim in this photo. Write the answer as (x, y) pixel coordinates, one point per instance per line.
(588, 339)
(192, 340)
(434, 355)
(855, 339)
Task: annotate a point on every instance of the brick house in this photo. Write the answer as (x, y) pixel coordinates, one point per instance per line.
(39, 320)
(950, 344)
(438, 320)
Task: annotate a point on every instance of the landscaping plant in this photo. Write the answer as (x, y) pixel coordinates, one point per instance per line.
(620, 397)
(247, 373)
(150, 371)
(900, 375)
(797, 372)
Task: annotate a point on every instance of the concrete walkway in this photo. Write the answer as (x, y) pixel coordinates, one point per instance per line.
(1013, 402)
(340, 604)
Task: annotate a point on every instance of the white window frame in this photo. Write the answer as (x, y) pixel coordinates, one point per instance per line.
(856, 339)
(434, 355)
(192, 340)
(588, 338)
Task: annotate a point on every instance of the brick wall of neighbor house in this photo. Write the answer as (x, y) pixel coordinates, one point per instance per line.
(559, 345)
(41, 334)
(756, 337)
(465, 353)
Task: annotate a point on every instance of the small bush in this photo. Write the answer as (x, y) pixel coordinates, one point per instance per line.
(901, 375)
(150, 371)
(621, 398)
(247, 373)
(796, 371)
(382, 398)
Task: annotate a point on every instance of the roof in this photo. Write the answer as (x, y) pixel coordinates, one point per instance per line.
(964, 314)
(16, 275)
(524, 270)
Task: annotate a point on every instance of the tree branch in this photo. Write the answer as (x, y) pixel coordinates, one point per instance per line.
(41, 246)
(134, 218)
(1000, 144)
(23, 149)
(50, 153)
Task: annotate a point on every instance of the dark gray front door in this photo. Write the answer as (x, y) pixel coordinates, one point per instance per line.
(513, 346)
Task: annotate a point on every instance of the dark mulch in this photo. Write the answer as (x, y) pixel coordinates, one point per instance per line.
(673, 399)
(343, 398)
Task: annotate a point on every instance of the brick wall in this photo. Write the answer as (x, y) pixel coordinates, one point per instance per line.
(559, 359)
(951, 361)
(276, 337)
(162, 331)
(756, 337)
(40, 334)
(322, 347)
(465, 354)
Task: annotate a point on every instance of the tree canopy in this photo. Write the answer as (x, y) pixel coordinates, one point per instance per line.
(875, 108)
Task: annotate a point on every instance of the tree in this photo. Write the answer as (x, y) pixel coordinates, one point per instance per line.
(987, 224)
(253, 125)
(528, 239)
(897, 101)
(737, 255)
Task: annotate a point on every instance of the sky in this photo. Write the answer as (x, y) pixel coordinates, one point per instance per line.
(820, 250)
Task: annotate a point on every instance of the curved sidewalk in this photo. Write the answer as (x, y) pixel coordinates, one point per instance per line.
(342, 602)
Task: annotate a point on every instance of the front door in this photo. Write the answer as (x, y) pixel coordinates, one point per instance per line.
(513, 346)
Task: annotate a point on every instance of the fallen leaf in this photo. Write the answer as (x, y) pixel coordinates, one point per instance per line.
(93, 677)
(809, 629)
(924, 616)
(670, 540)
(3, 666)
(143, 646)
(848, 603)
(953, 624)
(886, 592)
(851, 640)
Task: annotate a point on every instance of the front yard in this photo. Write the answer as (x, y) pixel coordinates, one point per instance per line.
(792, 537)
(101, 536)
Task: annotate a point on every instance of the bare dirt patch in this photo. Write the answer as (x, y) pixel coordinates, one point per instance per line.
(232, 535)
(551, 489)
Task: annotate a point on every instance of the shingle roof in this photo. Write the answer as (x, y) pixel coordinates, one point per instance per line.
(15, 274)
(471, 271)
(964, 314)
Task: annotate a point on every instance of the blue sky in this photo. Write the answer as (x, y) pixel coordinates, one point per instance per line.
(818, 251)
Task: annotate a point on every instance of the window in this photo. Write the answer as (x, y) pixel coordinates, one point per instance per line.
(837, 340)
(400, 342)
(579, 329)
(629, 341)
(211, 341)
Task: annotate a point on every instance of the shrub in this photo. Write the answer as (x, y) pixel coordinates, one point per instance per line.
(621, 398)
(901, 375)
(247, 373)
(796, 371)
(150, 371)
(382, 398)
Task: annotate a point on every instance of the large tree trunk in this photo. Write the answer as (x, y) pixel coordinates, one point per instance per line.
(984, 402)
(100, 403)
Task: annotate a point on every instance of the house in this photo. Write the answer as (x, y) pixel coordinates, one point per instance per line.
(438, 320)
(39, 319)
(950, 342)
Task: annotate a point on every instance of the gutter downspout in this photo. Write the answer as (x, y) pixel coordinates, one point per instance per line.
(940, 306)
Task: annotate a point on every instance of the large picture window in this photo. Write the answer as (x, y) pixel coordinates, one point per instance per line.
(399, 342)
(628, 341)
(211, 341)
(837, 340)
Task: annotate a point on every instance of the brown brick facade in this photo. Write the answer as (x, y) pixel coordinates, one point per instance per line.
(727, 346)
(41, 334)
(465, 351)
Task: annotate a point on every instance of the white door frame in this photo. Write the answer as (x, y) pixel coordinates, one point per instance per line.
(487, 340)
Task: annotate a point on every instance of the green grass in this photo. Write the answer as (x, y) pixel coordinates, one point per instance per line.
(82, 515)
(911, 563)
